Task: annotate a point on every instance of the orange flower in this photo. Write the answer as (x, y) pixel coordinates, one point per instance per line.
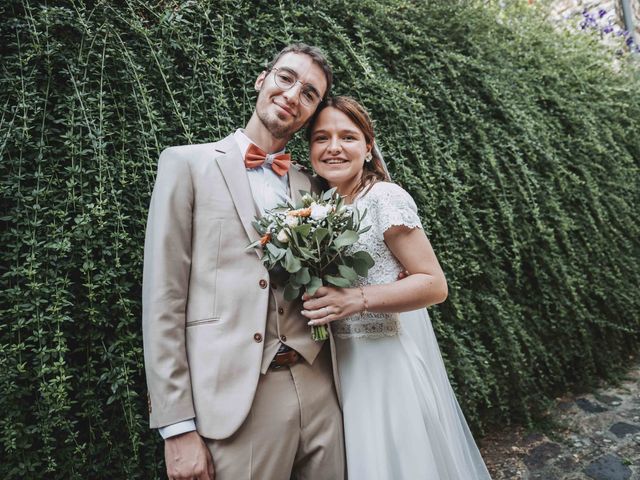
(265, 239)
(301, 212)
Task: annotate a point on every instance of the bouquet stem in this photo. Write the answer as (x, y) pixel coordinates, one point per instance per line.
(319, 333)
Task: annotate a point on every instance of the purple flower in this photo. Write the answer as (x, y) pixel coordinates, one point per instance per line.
(629, 41)
(602, 12)
(607, 29)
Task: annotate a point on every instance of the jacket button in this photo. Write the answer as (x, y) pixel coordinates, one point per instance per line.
(257, 337)
(283, 338)
(280, 310)
(262, 283)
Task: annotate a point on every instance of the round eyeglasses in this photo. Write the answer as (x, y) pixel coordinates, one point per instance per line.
(285, 80)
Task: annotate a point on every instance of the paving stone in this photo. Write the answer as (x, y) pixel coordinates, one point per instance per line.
(544, 476)
(589, 406)
(533, 438)
(565, 405)
(541, 454)
(567, 463)
(593, 437)
(608, 467)
(609, 399)
(621, 429)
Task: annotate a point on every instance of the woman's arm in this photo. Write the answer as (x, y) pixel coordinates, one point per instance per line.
(425, 285)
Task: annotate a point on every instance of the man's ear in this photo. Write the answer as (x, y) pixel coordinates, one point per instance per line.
(260, 80)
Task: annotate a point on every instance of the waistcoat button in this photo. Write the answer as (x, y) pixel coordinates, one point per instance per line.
(257, 337)
(283, 338)
(262, 283)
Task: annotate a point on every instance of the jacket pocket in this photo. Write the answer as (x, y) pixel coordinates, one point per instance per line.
(203, 321)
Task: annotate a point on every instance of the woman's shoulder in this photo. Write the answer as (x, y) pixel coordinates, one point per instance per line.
(389, 191)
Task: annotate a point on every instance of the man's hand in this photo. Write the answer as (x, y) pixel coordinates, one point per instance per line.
(187, 458)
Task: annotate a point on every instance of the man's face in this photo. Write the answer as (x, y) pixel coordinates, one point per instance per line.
(282, 111)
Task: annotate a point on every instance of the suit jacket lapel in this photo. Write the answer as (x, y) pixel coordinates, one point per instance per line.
(235, 176)
(298, 181)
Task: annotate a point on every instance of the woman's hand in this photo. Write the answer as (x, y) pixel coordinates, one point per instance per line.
(331, 303)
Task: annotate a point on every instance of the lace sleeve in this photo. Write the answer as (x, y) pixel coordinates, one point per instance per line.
(390, 205)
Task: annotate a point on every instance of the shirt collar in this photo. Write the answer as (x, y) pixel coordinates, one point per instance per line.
(244, 141)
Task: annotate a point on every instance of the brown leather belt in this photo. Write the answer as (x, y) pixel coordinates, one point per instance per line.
(284, 359)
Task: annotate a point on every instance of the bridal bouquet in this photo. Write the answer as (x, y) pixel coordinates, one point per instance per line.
(310, 241)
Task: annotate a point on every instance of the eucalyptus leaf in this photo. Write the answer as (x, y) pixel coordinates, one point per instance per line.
(291, 263)
(348, 273)
(276, 253)
(290, 292)
(314, 284)
(346, 238)
(319, 234)
(337, 281)
(362, 263)
(302, 277)
(303, 229)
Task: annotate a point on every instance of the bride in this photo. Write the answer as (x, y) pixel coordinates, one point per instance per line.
(401, 417)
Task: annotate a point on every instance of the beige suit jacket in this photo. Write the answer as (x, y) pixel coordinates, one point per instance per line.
(198, 271)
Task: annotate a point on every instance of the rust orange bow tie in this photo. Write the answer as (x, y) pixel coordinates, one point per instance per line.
(256, 157)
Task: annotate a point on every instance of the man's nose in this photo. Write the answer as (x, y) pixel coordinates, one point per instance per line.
(293, 94)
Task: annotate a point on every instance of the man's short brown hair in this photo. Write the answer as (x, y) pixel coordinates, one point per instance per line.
(316, 55)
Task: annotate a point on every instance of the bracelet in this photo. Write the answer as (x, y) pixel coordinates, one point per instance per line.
(364, 300)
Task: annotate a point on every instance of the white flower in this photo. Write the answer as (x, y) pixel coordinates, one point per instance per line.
(291, 221)
(319, 212)
(282, 236)
(307, 199)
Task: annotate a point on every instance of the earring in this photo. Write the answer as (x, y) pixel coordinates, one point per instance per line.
(368, 157)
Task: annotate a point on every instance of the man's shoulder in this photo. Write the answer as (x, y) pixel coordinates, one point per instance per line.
(196, 151)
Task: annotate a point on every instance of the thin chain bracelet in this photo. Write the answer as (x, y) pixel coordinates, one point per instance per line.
(364, 300)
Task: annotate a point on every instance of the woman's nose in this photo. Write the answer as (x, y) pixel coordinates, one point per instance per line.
(334, 145)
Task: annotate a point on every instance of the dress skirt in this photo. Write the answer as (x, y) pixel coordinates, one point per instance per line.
(401, 418)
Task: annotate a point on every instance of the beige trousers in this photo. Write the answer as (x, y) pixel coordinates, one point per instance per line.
(293, 430)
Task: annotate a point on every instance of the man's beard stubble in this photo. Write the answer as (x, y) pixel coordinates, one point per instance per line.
(274, 127)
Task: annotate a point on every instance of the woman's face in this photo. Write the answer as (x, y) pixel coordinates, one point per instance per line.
(337, 149)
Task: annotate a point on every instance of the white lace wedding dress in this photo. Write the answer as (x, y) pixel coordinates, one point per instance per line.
(402, 420)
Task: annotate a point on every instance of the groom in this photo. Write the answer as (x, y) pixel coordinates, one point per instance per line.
(237, 387)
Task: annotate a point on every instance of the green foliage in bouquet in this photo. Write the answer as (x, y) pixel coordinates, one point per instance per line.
(311, 241)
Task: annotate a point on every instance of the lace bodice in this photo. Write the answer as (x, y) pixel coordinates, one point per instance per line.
(386, 205)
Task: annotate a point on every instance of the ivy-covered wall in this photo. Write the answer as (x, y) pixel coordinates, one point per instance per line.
(518, 142)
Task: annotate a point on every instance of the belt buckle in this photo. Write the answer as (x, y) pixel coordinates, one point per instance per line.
(291, 361)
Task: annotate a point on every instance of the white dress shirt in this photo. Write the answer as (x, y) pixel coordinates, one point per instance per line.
(269, 189)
